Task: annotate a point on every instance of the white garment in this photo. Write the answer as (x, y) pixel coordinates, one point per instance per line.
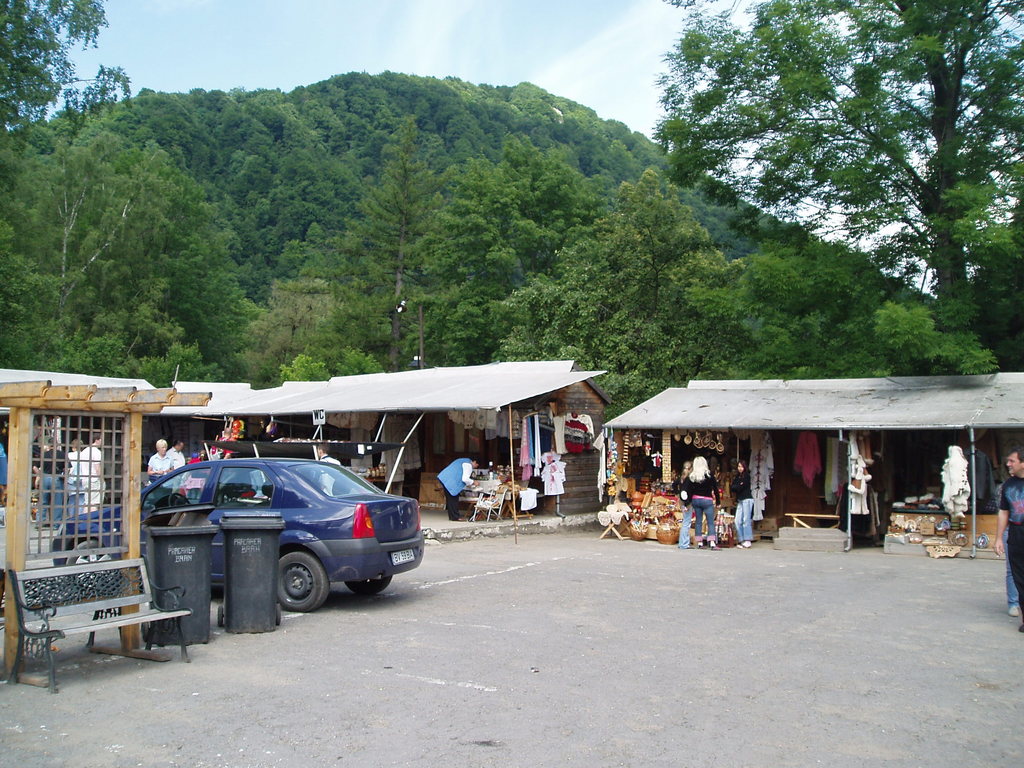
(559, 421)
(602, 447)
(762, 467)
(553, 475)
(859, 477)
(527, 499)
(956, 488)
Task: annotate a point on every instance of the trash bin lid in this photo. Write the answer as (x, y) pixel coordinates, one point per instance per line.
(183, 530)
(248, 521)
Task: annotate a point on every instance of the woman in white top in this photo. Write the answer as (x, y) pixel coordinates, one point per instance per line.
(161, 462)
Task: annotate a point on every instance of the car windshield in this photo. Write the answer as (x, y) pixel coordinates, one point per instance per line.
(331, 479)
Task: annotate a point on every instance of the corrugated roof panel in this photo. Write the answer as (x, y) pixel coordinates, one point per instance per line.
(995, 400)
(432, 389)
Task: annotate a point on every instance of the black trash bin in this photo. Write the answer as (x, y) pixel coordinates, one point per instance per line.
(178, 552)
(250, 572)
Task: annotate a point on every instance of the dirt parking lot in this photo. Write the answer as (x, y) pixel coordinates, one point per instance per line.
(569, 651)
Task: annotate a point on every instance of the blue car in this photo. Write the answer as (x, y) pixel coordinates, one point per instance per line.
(337, 527)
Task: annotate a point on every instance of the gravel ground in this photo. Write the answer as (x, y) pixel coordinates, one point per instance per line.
(569, 651)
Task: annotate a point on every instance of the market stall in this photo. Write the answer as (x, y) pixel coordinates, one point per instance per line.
(848, 453)
(538, 422)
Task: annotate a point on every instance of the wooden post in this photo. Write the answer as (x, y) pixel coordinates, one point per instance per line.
(131, 510)
(19, 505)
(512, 476)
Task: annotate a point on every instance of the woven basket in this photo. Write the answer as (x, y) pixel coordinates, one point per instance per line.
(638, 533)
(668, 534)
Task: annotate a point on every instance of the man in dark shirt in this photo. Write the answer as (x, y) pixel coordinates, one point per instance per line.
(1011, 518)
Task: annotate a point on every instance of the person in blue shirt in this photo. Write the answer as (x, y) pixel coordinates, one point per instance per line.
(454, 479)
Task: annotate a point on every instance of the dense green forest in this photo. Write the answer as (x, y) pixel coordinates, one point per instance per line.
(356, 224)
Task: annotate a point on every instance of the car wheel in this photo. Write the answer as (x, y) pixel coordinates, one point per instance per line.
(90, 558)
(369, 586)
(303, 585)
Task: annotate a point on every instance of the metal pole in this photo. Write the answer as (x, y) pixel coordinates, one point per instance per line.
(421, 363)
(398, 458)
(974, 497)
(512, 475)
(849, 500)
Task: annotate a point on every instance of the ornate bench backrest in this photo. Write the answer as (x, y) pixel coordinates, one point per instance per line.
(83, 588)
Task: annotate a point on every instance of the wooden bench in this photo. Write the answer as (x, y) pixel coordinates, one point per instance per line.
(53, 603)
(800, 519)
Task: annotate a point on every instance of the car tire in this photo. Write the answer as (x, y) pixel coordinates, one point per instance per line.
(88, 544)
(369, 586)
(303, 585)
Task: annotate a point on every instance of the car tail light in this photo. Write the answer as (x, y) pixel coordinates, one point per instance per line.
(362, 524)
(419, 520)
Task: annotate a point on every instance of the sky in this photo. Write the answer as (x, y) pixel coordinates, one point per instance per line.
(604, 54)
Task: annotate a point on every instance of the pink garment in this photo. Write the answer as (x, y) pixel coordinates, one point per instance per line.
(524, 453)
(807, 460)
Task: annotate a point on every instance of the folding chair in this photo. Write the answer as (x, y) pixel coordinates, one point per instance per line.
(489, 504)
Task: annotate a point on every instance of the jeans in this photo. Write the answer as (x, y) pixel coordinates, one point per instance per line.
(51, 499)
(684, 527)
(745, 520)
(704, 509)
(1012, 598)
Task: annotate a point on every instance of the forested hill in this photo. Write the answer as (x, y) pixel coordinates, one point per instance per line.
(370, 222)
(276, 162)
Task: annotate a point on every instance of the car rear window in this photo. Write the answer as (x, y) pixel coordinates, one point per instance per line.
(243, 487)
(331, 479)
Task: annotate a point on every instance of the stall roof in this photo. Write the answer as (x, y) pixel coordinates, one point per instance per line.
(926, 402)
(72, 379)
(478, 387)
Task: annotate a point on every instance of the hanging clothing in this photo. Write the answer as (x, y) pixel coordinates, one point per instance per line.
(559, 421)
(833, 475)
(807, 460)
(525, 464)
(859, 478)
(956, 488)
(601, 444)
(762, 467)
(527, 499)
(553, 474)
(579, 429)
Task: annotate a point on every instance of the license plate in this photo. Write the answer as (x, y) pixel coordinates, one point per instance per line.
(402, 556)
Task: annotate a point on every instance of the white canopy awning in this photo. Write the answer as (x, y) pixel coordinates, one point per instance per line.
(72, 379)
(927, 402)
(478, 387)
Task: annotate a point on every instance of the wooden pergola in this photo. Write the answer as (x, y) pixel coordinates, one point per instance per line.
(26, 398)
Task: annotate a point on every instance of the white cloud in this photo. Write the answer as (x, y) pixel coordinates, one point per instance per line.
(615, 72)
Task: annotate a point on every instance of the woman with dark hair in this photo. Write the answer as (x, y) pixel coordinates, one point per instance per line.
(744, 504)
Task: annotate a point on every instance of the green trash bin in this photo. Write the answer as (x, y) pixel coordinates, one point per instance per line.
(250, 572)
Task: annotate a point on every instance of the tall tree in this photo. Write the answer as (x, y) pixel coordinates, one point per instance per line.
(896, 124)
(647, 297)
(505, 224)
(386, 242)
(36, 39)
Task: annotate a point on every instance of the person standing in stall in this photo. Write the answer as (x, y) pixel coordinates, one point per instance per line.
(1011, 518)
(454, 479)
(701, 490)
(740, 487)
